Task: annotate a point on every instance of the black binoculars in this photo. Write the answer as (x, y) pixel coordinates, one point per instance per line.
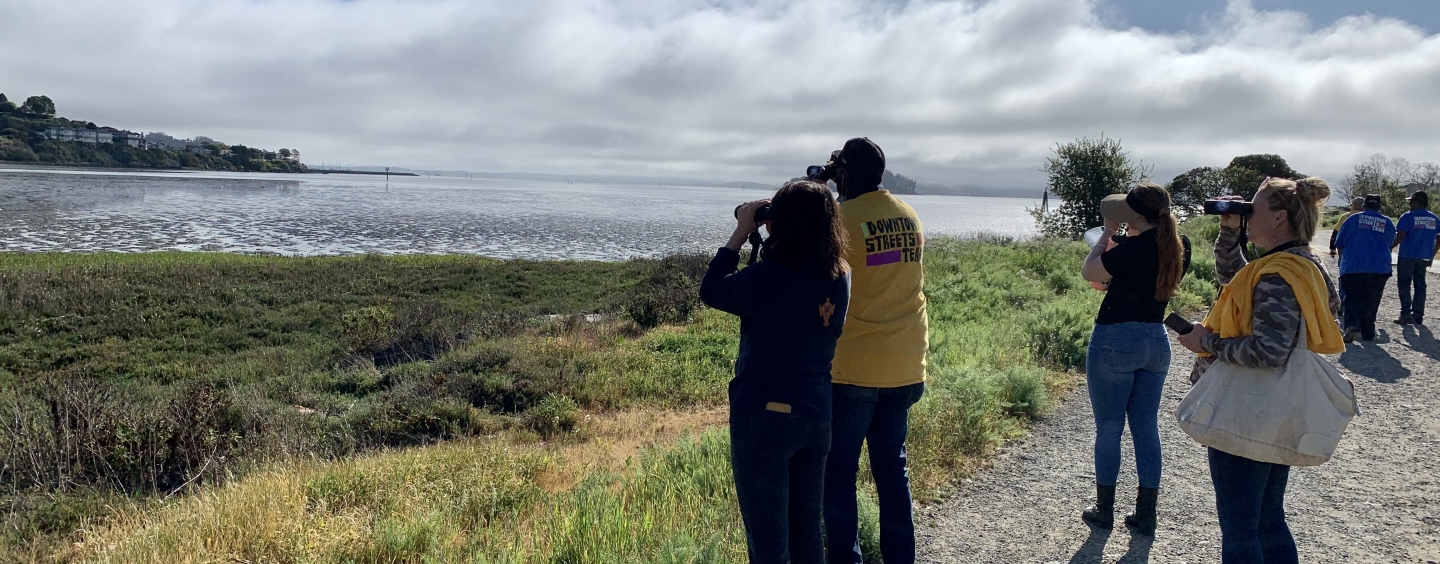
(1229, 207)
(762, 214)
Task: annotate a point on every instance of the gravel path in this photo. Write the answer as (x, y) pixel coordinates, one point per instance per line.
(1376, 501)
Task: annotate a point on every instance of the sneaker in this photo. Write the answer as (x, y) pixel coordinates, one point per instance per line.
(1404, 320)
(1351, 335)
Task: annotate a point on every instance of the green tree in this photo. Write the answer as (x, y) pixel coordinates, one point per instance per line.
(1246, 172)
(1268, 165)
(1190, 190)
(40, 105)
(6, 106)
(1081, 174)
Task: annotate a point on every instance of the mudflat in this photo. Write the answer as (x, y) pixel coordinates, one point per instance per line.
(1376, 501)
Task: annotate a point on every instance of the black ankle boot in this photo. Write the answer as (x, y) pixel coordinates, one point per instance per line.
(1143, 519)
(1103, 513)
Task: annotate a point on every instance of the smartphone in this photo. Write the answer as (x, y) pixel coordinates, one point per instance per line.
(1179, 324)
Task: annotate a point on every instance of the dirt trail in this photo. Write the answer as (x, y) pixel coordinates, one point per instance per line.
(1376, 501)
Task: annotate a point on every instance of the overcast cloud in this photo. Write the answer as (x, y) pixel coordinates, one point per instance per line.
(960, 93)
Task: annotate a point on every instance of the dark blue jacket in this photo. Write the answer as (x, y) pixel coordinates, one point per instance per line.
(785, 345)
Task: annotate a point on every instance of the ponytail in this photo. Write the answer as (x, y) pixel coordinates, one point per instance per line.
(1172, 257)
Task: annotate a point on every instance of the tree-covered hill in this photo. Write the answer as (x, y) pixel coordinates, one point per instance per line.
(23, 138)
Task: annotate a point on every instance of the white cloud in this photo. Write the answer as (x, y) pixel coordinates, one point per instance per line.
(965, 93)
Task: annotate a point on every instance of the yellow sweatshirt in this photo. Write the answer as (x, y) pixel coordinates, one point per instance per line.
(886, 330)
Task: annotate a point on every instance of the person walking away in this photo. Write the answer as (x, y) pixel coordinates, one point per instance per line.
(1419, 236)
(1357, 205)
(792, 307)
(1364, 243)
(1267, 302)
(1129, 352)
(879, 370)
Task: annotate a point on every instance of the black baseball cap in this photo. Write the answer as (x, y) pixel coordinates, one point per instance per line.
(863, 160)
(1372, 201)
(1421, 197)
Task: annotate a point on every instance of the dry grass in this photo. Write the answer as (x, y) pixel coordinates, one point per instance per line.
(499, 495)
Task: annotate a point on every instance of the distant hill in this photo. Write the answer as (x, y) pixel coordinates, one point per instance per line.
(985, 191)
(33, 133)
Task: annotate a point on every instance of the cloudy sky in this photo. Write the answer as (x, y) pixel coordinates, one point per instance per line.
(965, 92)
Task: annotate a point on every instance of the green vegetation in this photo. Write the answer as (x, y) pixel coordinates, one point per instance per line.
(1241, 178)
(1082, 173)
(22, 139)
(293, 403)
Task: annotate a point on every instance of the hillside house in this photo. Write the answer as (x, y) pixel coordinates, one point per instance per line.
(132, 139)
(59, 133)
(92, 136)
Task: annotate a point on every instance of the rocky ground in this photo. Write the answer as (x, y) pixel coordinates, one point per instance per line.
(1376, 501)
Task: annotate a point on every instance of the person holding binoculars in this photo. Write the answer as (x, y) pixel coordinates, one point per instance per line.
(1129, 352)
(879, 369)
(792, 306)
(1256, 323)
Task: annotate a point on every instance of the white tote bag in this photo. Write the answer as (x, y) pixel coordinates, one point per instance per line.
(1292, 415)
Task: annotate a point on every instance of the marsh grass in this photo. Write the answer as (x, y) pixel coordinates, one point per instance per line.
(549, 473)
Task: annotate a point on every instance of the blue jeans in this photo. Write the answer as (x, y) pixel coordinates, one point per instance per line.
(1407, 272)
(1125, 373)
(880, 416)
(1250, 500)
(778, 461)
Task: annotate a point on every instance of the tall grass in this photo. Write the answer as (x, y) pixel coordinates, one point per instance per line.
(1009, 324)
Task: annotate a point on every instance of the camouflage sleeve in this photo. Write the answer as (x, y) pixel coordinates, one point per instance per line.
(1229, 258)
(1276, 324)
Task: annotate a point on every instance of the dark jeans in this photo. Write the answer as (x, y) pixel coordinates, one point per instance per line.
(881, 417)
(1362, 301)
(1408, 272)
(779, 464)
(1125, 374)
(1250, 499)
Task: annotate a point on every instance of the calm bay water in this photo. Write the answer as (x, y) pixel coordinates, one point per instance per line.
(86, 211)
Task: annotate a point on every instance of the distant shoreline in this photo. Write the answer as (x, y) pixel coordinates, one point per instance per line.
(369, 172)
(96, 168)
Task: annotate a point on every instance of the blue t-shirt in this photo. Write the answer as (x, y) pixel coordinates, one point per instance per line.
(1364, 243)
(1419, 227)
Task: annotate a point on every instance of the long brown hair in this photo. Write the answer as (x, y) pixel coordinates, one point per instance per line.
(806, 231)
(1167, 238)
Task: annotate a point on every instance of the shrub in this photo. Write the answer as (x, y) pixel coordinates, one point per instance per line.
(69, 431)
(1022, 391)
(417, 330)
(669, 293)
(368, 329)
(1060, 333)
(553, 415)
